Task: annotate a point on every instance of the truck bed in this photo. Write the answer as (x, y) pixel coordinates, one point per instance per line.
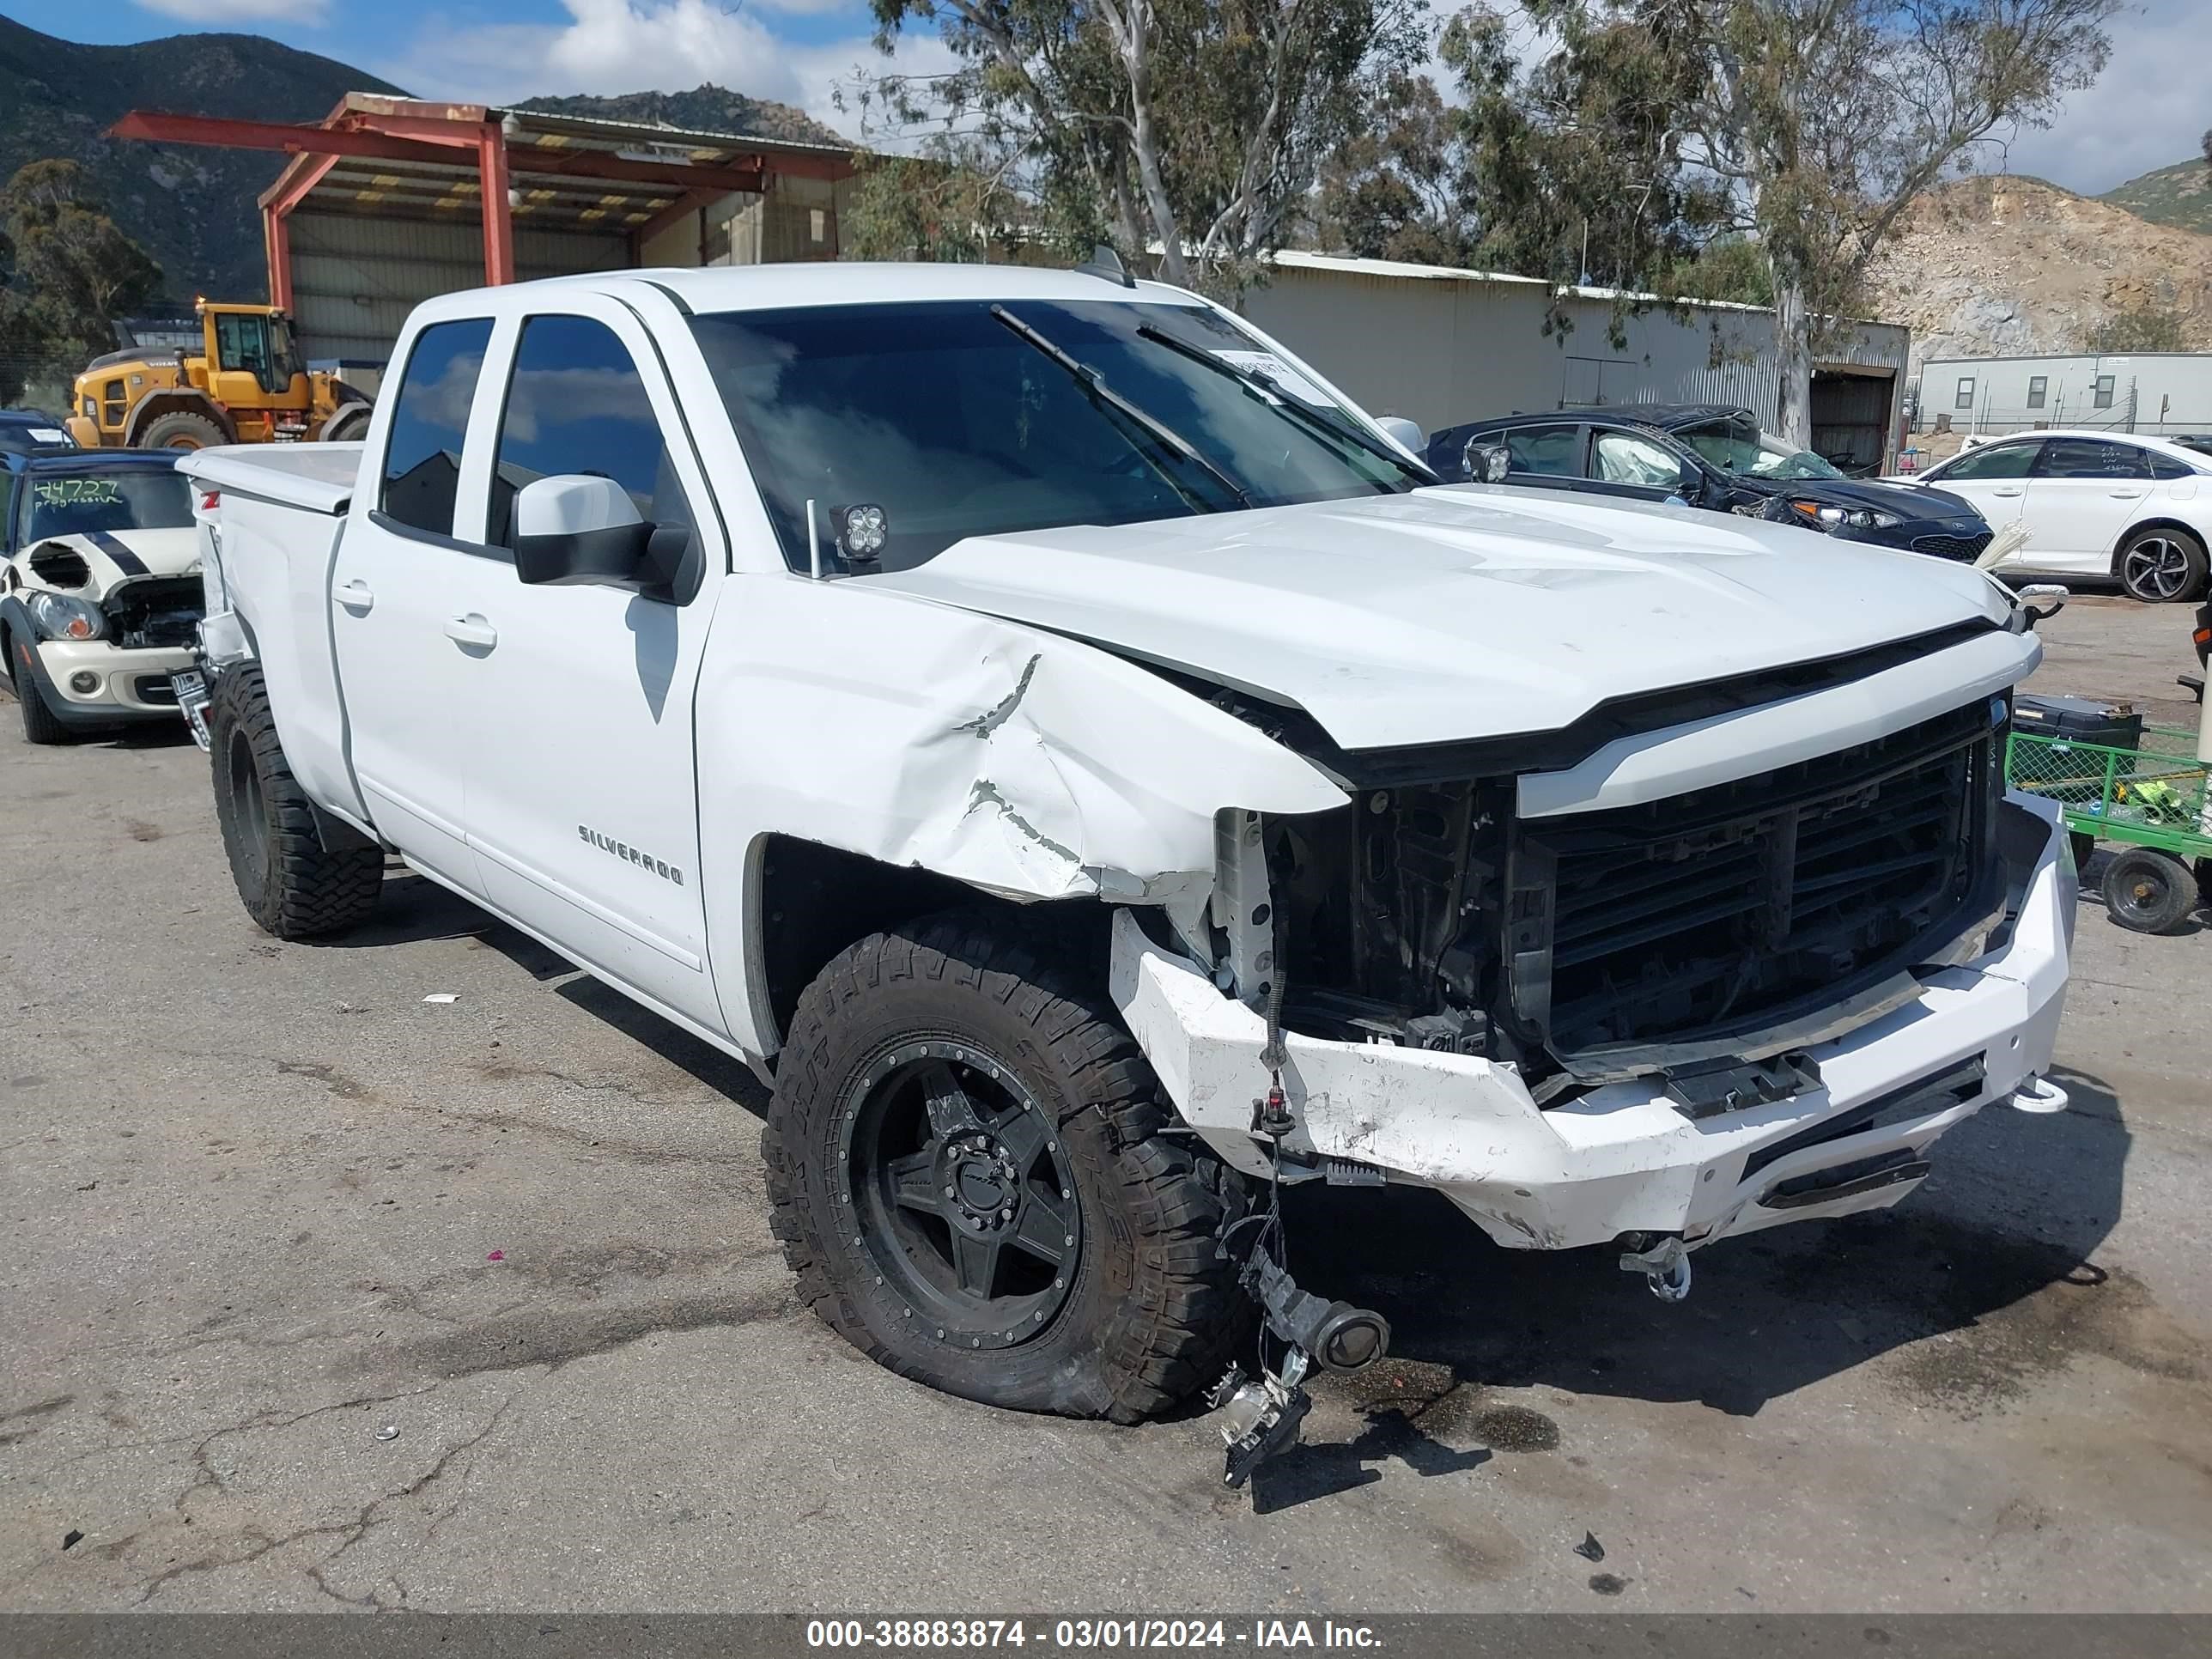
(317, 477)
(267, 549)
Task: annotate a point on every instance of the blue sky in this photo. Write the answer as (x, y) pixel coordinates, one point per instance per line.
(797, 51)
(2148, 109)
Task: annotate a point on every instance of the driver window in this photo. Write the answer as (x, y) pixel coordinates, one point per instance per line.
(1623, 457)
(1996, 461)
(576, 404)
(1554, 451)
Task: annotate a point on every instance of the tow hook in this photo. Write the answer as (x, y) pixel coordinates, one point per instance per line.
(2040, 1095)
(1665, 1266)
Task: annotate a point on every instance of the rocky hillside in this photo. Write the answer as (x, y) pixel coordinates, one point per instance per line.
(193, 209)
(2180, 195)
(703, 109)
(2011, 267)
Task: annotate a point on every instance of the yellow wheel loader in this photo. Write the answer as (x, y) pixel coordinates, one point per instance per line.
(245, 385)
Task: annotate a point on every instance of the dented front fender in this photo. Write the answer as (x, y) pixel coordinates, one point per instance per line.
(1019, 762)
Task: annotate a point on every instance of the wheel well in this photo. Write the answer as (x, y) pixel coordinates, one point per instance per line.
(2137, 529)
(813, 900)
(154, 405)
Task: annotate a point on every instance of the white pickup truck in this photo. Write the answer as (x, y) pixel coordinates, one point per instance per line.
(1092, 773)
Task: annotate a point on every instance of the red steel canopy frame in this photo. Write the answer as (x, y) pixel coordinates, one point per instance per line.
(404, 131)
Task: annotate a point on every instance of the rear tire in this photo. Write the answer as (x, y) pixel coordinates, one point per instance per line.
(40, 725)
(182, 429)
(932, 1248)
(292, 885)
(2148, 891)
(2161, 565)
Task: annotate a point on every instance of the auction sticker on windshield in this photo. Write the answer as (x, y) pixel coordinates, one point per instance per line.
(1268, 365)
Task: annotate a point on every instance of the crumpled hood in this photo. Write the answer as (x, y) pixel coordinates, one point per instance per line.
(1462, 612)
(1906, 500)
(111, 557)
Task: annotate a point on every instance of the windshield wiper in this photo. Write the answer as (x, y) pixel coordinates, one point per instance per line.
(1277, 396)
(1100, 393)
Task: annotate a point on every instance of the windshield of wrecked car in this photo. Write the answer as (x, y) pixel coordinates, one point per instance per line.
(957, 425)
(71, 503)
(1741, 448)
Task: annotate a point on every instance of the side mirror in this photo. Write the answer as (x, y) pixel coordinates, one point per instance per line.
(2042, 600)
(577, 530)
(1488, 462)
(1403, 433)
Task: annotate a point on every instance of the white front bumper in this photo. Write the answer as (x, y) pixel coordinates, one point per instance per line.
(1621, 1158)
(116, 674)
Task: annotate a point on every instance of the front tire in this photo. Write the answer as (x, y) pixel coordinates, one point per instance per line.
(40, 725)
(292, 884)
(973, 1178)
(2162, 566)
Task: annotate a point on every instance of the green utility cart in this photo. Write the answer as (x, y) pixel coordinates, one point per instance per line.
(2148, 799)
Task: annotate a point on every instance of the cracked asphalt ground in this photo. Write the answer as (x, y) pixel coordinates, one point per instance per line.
(260, 1203)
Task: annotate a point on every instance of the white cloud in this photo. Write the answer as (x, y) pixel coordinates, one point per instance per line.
(2143, 112)
(313, 12)
(609, 46)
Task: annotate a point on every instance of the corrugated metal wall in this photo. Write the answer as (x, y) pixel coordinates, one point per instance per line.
(355, 279)
(1446, 348)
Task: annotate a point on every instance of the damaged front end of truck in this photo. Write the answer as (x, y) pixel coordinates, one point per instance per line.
(1700, 962)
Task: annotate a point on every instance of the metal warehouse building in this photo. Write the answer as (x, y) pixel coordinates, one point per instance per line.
(2153, 392)
(390, 201)
(1441, 346)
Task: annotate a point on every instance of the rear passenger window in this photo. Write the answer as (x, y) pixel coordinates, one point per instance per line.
(423, 456)
(577, 404)
(2092, 458)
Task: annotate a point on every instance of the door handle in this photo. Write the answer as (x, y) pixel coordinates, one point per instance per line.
(356, 596)
(471, 629)
(2015, 491)
(2127, 495)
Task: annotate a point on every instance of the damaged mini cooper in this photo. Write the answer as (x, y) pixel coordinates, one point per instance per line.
(1098, 776)
(99, 595)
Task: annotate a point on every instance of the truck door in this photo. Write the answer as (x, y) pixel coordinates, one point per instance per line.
(583, 807)
(399, 602)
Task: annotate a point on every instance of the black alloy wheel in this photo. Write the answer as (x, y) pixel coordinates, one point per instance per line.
(961, 1191)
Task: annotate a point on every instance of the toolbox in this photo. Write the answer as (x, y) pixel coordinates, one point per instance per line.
(2079, 719)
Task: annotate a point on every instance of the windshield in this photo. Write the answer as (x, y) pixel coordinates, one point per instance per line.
(114, 498)
(962, 418)
(1738, 447)
(30, 437)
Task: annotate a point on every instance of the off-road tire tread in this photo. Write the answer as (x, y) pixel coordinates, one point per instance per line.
(1180, 1197)
(313, 890)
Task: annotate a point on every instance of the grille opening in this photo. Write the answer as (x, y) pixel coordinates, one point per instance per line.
(1705, 910)
(1429, 915)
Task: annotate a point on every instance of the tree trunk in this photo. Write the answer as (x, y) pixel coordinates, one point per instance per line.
(1146, 141)
(1793, 352)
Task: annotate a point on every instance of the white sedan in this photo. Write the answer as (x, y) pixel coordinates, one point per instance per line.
(2135, 509)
